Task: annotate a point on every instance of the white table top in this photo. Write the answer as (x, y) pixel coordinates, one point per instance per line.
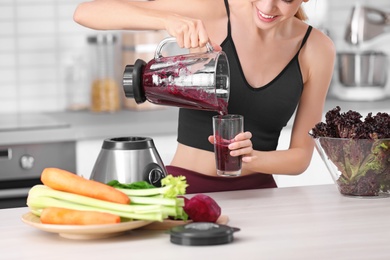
(310, 222)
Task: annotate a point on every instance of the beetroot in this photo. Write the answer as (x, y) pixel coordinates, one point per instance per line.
(202, 208)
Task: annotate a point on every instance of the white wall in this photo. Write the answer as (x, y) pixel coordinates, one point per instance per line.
(37, 38)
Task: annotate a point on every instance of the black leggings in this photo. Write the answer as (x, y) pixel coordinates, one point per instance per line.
(200, 183)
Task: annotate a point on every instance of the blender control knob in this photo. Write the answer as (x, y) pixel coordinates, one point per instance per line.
(155, 177)
(27, 162)
(153, 173)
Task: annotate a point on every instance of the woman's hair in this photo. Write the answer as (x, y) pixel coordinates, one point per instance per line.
(301, 15)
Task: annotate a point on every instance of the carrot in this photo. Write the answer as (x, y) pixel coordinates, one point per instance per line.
(62, 216)
(63, 180)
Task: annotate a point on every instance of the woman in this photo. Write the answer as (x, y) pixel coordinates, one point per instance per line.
(279, 65)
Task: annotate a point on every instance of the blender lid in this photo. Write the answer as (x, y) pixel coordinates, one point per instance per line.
(132, 81)
(202, 233)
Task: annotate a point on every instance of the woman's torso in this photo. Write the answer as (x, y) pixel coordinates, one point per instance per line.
(253, 92)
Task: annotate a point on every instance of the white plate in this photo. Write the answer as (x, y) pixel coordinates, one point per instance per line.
(84, 231)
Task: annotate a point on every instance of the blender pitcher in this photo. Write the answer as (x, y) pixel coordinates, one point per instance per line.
(196, 80)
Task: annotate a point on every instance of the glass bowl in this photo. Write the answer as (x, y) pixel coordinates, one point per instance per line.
(359, 167)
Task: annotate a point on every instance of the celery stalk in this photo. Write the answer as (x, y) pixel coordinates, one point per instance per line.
(44, 202)
(141, 193)
(153, 201)
(42, 190)
(170, 211)
(171, 188)
(144, 192)
(41, 196)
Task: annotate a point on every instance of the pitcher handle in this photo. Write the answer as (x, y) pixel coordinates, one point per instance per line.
(158, 54)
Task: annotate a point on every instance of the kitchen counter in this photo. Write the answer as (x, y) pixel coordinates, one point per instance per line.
(309, 222)
(82, 125)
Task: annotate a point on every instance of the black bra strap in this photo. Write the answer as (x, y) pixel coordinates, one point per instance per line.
(306, 36)
(228, 15)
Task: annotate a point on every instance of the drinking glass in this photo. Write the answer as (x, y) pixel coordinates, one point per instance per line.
(226, 127)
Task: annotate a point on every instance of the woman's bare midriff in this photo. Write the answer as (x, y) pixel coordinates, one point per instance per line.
(196, 160)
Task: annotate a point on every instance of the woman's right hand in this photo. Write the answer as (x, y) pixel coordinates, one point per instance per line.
(189, 32)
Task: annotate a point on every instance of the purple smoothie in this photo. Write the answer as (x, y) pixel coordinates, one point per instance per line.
(226, 162)
(159, 90)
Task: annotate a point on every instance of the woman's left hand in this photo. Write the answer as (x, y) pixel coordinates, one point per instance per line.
(242, 145)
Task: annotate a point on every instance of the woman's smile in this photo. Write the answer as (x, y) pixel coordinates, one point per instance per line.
(266, 17)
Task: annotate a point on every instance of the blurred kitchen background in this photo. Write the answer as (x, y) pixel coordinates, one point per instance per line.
(44, 54)
(53, 73)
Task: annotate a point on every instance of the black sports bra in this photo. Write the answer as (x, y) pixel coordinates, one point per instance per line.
(266, 110)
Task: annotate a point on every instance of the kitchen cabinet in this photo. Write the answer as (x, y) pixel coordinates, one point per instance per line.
(88, 150)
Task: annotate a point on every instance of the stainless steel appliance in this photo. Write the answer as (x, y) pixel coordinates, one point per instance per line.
(22, 162)
(362, 71)
(362, 76)
(21, 166)
(129, 159)
(366, 23)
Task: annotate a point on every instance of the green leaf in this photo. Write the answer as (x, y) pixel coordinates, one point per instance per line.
(134, 185)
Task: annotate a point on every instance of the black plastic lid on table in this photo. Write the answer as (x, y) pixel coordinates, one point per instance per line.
(202, 233)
